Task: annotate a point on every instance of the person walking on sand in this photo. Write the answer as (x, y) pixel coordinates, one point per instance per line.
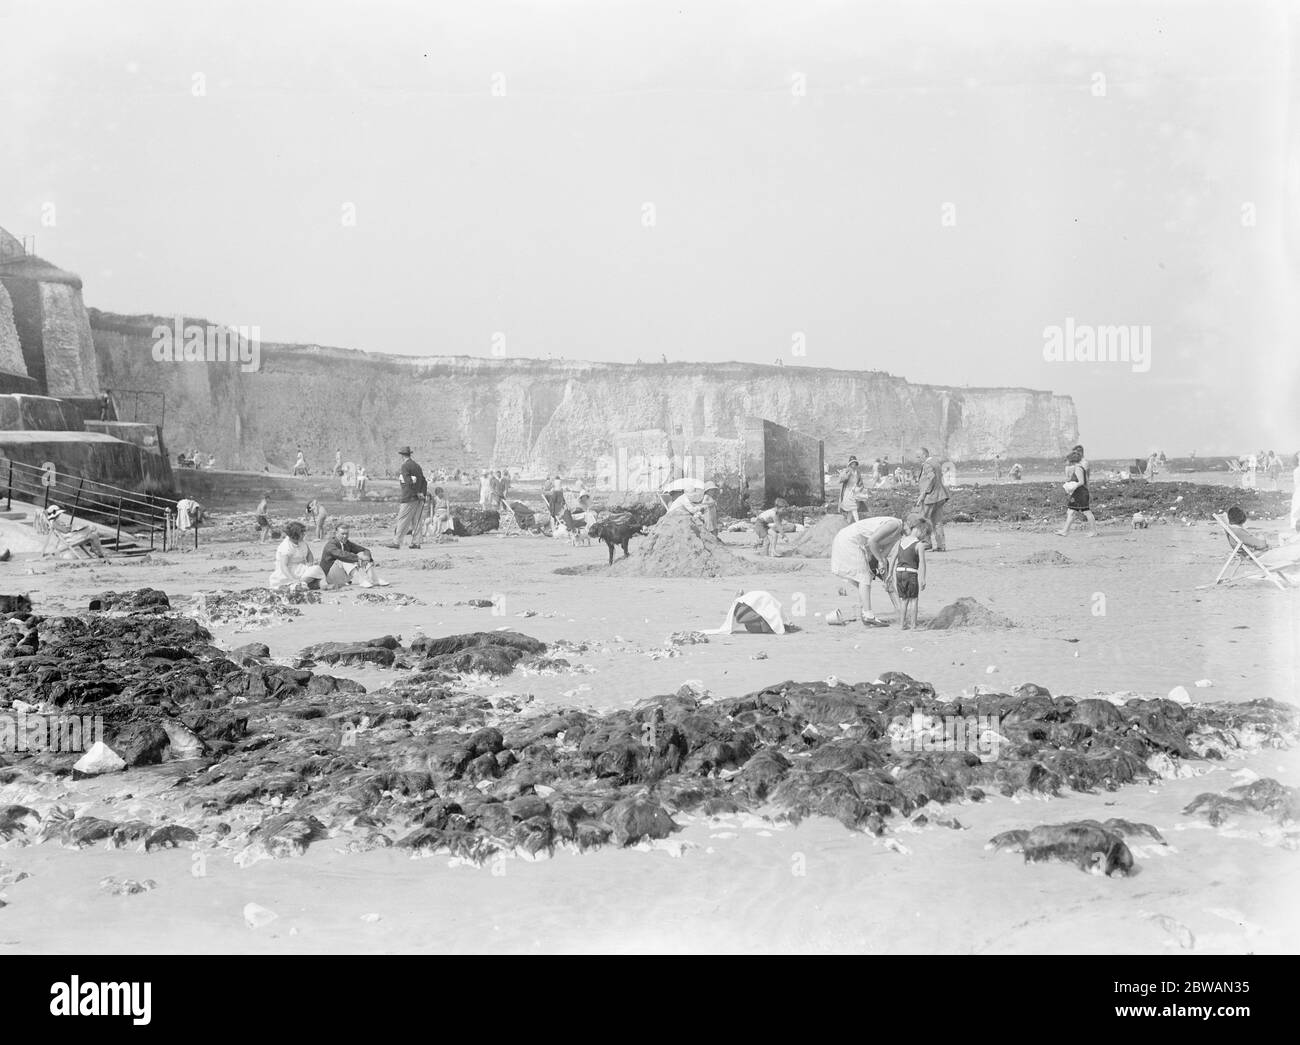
(1076, 485)
(410, 499)
(861, 553)
(932, 498)
(850, 488)
(300, 464)
(262, 520)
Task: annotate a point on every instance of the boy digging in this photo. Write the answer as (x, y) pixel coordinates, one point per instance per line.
(909, 571)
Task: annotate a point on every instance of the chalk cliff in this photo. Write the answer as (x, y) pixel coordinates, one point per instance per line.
(544, 415)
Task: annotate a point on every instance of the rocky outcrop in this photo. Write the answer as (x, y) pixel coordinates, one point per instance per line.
(543, 415)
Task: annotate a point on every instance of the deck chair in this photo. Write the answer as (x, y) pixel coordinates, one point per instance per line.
(1242, 556)
(56, 541)
(1234, 466)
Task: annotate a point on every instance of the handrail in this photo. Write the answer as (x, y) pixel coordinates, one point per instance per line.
(123, 507)
(93, 487)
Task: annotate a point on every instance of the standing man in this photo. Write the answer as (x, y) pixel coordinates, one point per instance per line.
(410, 499)
(932, 498)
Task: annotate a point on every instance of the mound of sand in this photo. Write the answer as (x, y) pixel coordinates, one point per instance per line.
(677, 546)
(967, 613)
(1051, 557)
(815, 542)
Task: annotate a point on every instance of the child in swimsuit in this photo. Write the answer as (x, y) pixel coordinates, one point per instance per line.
(909, 571)
(767, 526)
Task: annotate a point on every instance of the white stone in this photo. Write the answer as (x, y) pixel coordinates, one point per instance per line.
(256, 916)
(1180, 695)
(99, 759)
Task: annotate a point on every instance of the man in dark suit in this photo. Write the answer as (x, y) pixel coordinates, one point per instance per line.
(410, 499)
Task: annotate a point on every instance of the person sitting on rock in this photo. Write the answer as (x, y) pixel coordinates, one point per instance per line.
(439, 514)
(342, 562)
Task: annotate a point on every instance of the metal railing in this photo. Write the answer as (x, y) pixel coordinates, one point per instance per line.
(126, 510)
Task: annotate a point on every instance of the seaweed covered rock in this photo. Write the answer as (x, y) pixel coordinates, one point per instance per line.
(1090, 846)
(142, 600)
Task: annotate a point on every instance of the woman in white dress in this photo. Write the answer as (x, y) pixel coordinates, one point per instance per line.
(862, 552)
(295, 566)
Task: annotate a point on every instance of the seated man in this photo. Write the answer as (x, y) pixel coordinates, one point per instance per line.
(343, 563)
(75, 536)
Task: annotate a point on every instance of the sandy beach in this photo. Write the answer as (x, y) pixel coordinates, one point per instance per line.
(1123, 614)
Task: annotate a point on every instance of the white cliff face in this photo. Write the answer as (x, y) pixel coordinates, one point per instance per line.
(544, 416)
(70, 368)
(11, 349)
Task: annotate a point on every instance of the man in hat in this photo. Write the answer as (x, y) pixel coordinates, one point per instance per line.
(932, 498)
(410, 499)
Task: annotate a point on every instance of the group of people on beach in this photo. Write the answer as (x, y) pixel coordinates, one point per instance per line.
(342, 561)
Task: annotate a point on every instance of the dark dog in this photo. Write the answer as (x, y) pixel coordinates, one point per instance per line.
(617, 530)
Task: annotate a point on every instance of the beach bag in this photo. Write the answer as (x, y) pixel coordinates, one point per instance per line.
(1070, 487)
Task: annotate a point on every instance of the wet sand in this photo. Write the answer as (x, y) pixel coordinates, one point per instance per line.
(1125, 615)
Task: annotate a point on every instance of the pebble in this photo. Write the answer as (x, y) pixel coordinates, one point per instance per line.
(256, 916)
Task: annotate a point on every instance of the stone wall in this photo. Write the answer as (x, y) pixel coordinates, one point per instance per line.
(783, 463)
(11, 349)
(30, 413)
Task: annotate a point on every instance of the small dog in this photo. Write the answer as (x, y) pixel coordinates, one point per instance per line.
(577, 533)
(1140, 521)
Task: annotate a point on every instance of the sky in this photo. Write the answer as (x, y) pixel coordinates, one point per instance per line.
(925, 188)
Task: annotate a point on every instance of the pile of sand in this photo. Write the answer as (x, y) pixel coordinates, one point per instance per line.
(815, 542)
(679, 547)
(967, 613)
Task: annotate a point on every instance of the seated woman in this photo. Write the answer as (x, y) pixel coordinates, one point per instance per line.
(295, 566)
(439, 514)
(76, 536)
